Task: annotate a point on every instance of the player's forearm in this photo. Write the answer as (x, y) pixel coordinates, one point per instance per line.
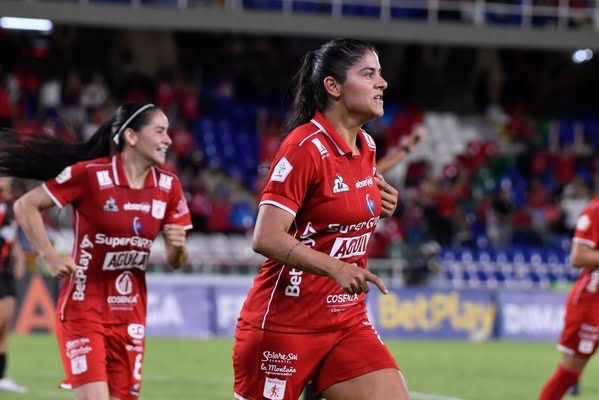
(30, 220)
(286, 250)
(584, 256)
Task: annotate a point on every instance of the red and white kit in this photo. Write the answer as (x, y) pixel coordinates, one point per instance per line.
(114, 228)
(580, 335)
(336, 204)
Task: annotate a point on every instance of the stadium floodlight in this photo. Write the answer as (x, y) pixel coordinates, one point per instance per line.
(582, 55)
(26, 24)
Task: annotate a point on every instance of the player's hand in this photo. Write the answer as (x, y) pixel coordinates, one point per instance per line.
(59, 265)
(174, 235)
(388, 196)
(354, 280)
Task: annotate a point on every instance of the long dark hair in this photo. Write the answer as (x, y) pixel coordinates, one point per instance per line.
(333, 59)
(42, 157)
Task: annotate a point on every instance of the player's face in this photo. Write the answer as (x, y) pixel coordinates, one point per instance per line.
(363, 88)
(152, 141)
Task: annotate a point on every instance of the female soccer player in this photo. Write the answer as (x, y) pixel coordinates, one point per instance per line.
(121, 200)
(305, 316)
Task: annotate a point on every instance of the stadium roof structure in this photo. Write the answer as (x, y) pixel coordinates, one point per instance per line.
(233, 16)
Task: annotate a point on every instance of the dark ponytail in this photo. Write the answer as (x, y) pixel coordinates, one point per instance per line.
(333, 59)
(42, 157)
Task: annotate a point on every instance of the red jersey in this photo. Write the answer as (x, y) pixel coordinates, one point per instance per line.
(114, 228)
(336, 205)
(587, 234)
(8, 234)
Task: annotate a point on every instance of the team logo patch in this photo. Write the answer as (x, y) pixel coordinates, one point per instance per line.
(103, 179)
(339, 186)
(370, 204)
(158, 209)
(274, 389)
(583, 223)
(281, 170)
(586, 346)
(123, 283)
(64, 176)
(136, 226)
(110, 205)
(136, 331)
(79, 364)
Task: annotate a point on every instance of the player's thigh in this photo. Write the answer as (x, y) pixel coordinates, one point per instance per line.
(92, 391)
(274, 365)
(358, 353)
(125, 345)
(81, 345)
(384, 384)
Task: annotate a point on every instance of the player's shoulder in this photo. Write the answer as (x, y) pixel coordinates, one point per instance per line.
(309, 138)
(593, 206)
(166, 179)
(96, 163)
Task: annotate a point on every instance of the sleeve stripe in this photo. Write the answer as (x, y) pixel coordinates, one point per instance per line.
(586, 242)
(279, 205)
(54, 199)
(188, 227)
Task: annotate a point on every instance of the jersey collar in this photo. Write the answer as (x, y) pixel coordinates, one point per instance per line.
(340, 144)
(120, 179)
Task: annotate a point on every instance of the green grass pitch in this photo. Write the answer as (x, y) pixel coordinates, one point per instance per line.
(201, 369)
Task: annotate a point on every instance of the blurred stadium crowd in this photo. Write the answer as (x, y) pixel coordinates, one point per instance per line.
(508, 162)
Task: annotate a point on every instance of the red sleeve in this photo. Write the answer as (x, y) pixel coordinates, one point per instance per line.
(587, 227)
(290, 178)
(69, 186)
(177, 211)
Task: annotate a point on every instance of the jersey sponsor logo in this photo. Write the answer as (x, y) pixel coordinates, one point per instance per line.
(79, 364)
(110, 205)
(165, 182)
(64, 176)
(341, 298)
(295, 278)
(276, 357)
(364, 182)
(274, 389)
(135, 241)
(118, 260)
(370, 204)
(136, 226)
(136, 331)
(281, 170)
(321, 149)
(123, 283)
(339, 186)
(143, 207)
(370, 224)
(158, 209)
(103, 179)
(122, 299)
(81, 272)
(583, 223)
(346, 247)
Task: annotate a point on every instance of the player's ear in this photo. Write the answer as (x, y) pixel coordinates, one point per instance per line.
(130, 136)
(332, 87)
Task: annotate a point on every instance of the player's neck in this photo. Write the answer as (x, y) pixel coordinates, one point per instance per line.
(136, 169)
(345, 126)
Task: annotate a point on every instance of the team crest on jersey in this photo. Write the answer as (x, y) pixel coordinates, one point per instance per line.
(64, 176)
(103, 179)
(339, 186)
(110, 205)
(274, 389)
(281, 170)
(123, 283)
(158, 209)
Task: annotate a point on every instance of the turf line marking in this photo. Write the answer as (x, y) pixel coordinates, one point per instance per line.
(428, 396)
